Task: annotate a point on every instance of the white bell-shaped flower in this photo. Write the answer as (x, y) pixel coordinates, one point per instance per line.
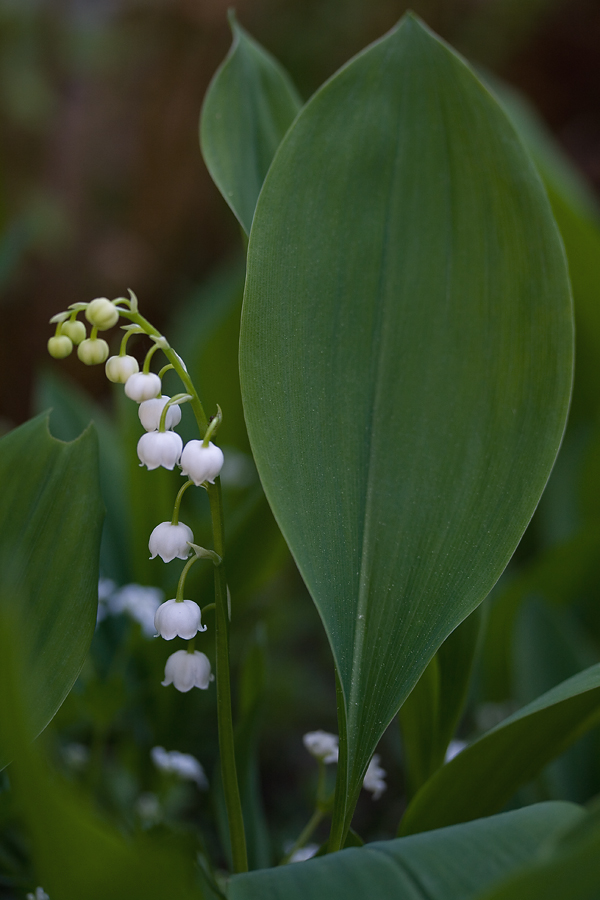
(187, 670)
(374, 779)
(119, 368)
(201, 463)
(159, 448)
(150, 412)
(170, 541)
(183, 764)
(322, 745)
(142, 386)
(178, 618)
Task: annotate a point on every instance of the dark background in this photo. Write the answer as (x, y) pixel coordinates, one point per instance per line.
(102, 186)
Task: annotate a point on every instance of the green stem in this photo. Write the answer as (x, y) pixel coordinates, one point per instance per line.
(148, 359)
(225, 720)
(164, 370)
(339, 828)
(175, 361)
(183, 576)
(182, 490)
(306, 833)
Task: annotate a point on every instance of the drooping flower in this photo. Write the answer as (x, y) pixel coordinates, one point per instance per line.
(150, 412)
(102, 313)
(186, 670)
(75, 330)
(304, 853)
(159, 448)
(120, 368)
(60, 346)
(178, 618)
(93, 351)
(322, 745)
(170, 541)
(183, 764)
(201, 463)
(374, 779)
(142, 386)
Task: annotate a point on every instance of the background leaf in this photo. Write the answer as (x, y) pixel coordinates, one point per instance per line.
(406, 355)
(50, 523)
(249, 106)
(481, 779)
(450, 864)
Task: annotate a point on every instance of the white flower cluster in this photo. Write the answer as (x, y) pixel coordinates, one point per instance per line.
(135, 600)
(184, 765)
(325, 747)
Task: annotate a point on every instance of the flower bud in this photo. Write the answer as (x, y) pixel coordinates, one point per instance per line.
(150, 412)
(187, 670)
(120, 368)
(170, 541)
(60, 346)
(142, 386)
(201, 463)
(322, 745)
(75, 330)
(92, 351)
(159, 448)
(178, 618)
(102, 314)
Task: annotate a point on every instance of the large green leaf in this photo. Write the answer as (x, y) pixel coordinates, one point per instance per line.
(50, 523)
(406, 357)
(571, 871)
(450, 864)
(249, 106)
(481, 779)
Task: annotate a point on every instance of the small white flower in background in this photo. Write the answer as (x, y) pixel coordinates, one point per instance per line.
(76, 755)
(159, 448)
(304, 853)
(142, 386)
(138, 601)
(119, 368)
(322, 745)
(186, 670)
(106, 587)
(170, 541)
(178, 618)
(454, 748)
(150, 412)
(374, 779)
(201, 463)
(40, 894)
(183, 764)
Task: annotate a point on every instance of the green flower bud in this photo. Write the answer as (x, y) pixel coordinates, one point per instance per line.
(75, 330)
(93, 351)
(60, 346)
(102, 314)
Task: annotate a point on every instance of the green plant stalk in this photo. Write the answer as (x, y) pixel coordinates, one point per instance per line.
(342, 809)
(306, 833)
(226, 742)
(223, 680)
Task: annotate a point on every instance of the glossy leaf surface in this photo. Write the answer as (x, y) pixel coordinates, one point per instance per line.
(450, 864)
(481, 779)
(406, 356)
(249, 106)
(50, 523)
